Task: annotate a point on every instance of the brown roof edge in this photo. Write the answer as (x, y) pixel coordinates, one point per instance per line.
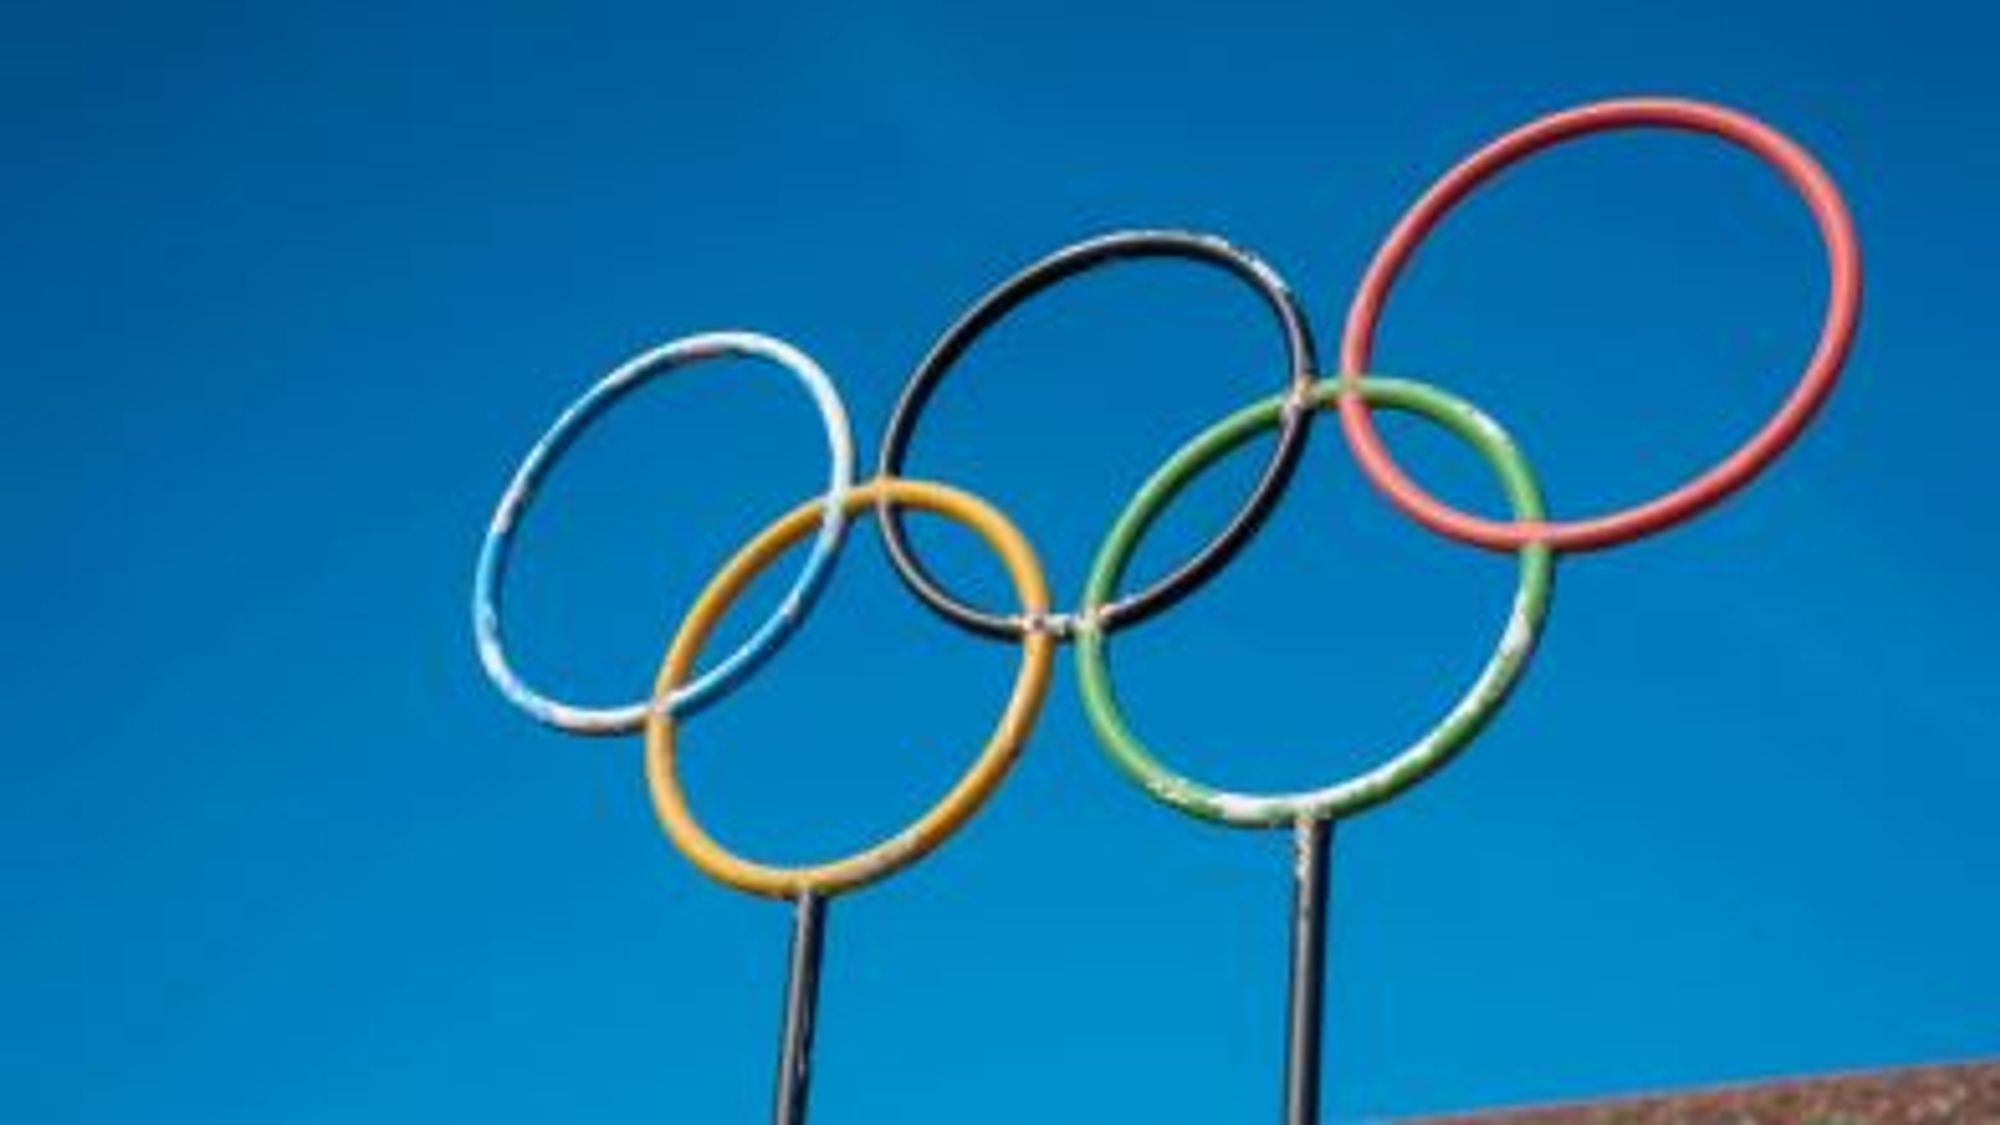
(1956, 1093)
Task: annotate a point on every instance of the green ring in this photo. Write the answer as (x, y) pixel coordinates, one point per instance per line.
(1422, 757)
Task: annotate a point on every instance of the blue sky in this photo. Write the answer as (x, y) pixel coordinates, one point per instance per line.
(290, 287)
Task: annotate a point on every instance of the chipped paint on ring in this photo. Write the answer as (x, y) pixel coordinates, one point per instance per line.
(1421, 758)
(966, 796)
(1037, 278)
(496, 549)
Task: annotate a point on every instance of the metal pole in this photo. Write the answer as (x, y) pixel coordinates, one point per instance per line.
(1302, 1037)
(801, 998)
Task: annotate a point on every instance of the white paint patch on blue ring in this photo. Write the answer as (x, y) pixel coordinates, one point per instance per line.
(718, 681)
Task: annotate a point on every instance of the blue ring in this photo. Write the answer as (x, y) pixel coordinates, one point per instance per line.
(726, 676)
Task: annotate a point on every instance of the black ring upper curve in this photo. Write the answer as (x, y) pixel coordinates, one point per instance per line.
(1059, 266)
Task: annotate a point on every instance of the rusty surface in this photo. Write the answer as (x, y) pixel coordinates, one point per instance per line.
(1958, 1094)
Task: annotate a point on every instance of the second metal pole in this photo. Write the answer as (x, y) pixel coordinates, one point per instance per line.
(801, 1000)
(1302, 1034)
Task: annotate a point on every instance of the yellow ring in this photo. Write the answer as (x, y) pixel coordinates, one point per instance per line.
(1031, 684)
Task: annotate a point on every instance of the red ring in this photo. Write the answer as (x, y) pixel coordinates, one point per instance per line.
(1843, 255)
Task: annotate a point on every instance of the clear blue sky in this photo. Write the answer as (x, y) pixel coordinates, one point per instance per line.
(290, 287)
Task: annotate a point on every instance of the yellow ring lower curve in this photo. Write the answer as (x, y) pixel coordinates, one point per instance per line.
(934, 827)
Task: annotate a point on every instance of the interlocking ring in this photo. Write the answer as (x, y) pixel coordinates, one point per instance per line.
(1061, 265)
(1533, 538)
(1822, 370)
(965, 798)
(495, 550)
(1422, 757)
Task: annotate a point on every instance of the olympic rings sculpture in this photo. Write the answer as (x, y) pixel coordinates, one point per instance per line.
(1353, 391)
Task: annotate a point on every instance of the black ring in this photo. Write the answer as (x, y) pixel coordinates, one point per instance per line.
(1061, 265)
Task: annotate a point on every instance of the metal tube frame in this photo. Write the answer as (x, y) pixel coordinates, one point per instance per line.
(1304, 1020)
(801, 1004)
